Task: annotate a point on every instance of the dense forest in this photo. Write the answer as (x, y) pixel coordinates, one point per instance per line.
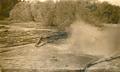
(61, 13)
(5, 7)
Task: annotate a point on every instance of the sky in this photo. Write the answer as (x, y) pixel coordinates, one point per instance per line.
(40, 0)
(114, 2)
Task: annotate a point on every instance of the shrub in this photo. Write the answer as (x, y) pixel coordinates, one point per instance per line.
(42, 12)
(63, 13)
(108, 13)
(21, 12)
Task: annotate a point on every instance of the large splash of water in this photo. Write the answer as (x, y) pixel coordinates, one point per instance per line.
(93, 40)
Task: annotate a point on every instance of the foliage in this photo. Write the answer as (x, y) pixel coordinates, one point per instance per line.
(42, 12)
(108, 13)
(21, 11)
(64, 13)
(97, 13)
(5, 7)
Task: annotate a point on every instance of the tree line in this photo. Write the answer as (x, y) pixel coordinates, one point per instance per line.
(63, 13)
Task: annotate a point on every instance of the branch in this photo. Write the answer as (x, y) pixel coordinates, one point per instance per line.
(98, 62)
